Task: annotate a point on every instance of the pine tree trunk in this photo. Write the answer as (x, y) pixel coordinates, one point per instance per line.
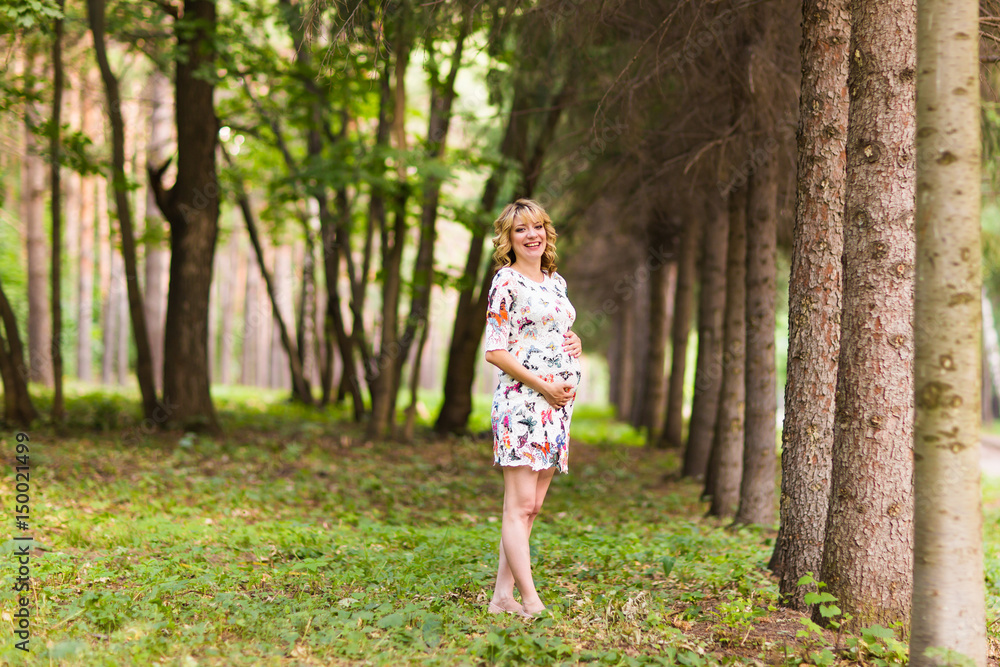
(760, 437)
(867, 558)
(711, 317)
(625, 360)
(813, 297)
(33, 215)
(948, 593)
(640, 298)
(672, 435)
(725, 470)
(111, 282)
(661, 279)
(55, 185)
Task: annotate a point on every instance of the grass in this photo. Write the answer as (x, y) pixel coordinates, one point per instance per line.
(294, 541)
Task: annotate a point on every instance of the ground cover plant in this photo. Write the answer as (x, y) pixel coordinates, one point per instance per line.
(291, 540)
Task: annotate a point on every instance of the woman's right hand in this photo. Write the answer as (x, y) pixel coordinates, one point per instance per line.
(558, 393)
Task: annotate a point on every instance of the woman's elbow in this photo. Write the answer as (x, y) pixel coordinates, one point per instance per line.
(491, 356)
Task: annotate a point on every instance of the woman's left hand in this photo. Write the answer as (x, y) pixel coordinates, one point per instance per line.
(572, 344)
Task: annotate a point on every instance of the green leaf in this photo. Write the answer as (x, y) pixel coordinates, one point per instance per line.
(819, 598)
(829, 611)
(392, 621)
(878, 631)
(668, 564)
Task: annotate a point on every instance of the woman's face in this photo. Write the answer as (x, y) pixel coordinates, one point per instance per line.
(528, 241)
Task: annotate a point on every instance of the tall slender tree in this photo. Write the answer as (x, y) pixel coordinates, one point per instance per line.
(725, 470)
(55, 185)
(948, 598)
(672, 435)
(130, 274)
(711, 318)
(867, 557)
(813, 296)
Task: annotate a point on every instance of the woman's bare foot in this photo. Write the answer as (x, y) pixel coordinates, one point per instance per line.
(504, 605)
(533, 608)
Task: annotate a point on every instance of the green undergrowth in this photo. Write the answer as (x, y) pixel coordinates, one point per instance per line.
(291, 540)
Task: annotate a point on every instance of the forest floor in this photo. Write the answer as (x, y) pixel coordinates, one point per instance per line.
(291, 540)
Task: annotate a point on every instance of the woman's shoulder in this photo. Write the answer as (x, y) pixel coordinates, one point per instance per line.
(505, 277)
(557, 278)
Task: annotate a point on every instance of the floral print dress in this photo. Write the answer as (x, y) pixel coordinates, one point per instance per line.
(528, 319)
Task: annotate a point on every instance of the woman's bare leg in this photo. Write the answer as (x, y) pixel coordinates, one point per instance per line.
(503, 595)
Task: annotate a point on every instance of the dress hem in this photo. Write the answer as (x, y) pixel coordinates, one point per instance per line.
(532, 466)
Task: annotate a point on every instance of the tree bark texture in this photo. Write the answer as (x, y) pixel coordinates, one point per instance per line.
(948, 595)
(813, 297)
(867, 558)
(725, 469)
(144, 358)
(759, 456)
(711, 318)
(673, 427)
(192, 208)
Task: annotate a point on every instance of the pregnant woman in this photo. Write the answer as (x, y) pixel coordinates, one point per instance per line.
(528, 339)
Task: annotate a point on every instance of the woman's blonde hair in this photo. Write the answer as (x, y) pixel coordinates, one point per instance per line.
(526, 211)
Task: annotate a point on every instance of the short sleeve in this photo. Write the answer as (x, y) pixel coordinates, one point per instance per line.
(501, 302)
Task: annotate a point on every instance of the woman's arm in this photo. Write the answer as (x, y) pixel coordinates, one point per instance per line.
(556, 393)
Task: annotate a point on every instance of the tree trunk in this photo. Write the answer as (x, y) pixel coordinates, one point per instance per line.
(867, 558)
(725, 469)
(673, 427)
(85, 291)
(157, 251)
(661, 277)
(17, 406)
(948, 593)
(813, 297)
(33, 214)
(711, 317)
(625, 361)
(192, 208)
(55, 185)
(144, 365)
(640, 298)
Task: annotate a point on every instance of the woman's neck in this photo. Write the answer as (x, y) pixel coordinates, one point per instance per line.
(531, 272)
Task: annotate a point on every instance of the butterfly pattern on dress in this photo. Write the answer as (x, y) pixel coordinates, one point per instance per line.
(529, 320)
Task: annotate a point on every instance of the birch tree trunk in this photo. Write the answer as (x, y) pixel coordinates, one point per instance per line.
(867, 558)
(948, 595)
(813, 297)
